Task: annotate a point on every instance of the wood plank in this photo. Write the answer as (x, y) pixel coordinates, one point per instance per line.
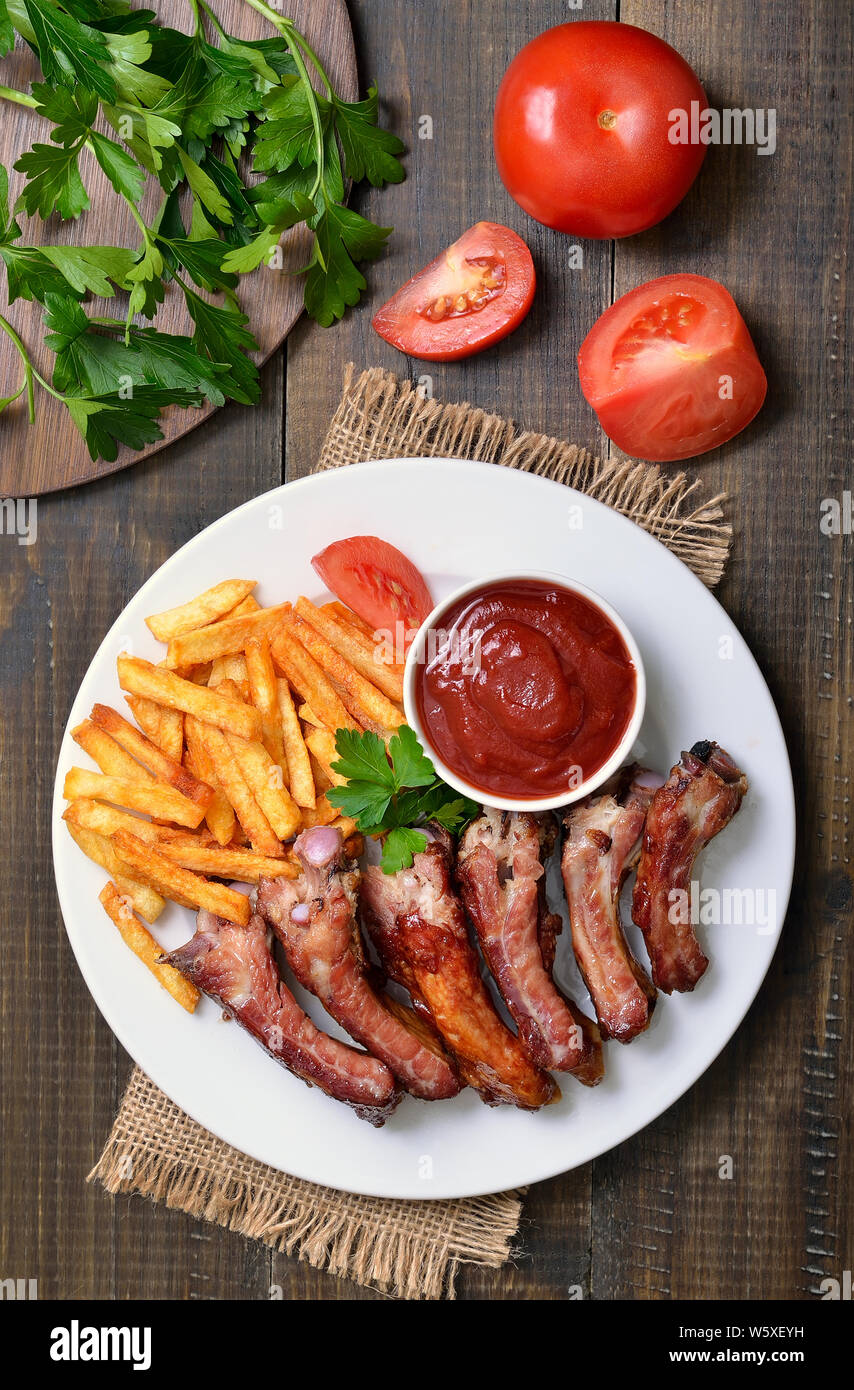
(61, 1070)
(773, 230)
(50, 453)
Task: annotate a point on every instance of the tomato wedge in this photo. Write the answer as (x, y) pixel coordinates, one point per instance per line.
(378, 582)
(470, 297)
(671, 370)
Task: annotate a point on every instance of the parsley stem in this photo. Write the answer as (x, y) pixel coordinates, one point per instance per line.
(316, 63)
(7, 328)
(21, 98)
(295, 41)
(213, 19)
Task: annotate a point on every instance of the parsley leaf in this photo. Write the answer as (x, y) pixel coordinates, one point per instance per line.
(91, 269)
(362, 757)
(369, 152)
(400, 845)
(107, 421)
(221, 335)
(333, 280)
(390, 793)
(70, 53)
(204, 188)
(123, 172)
(7, 43)
(94, 360)
(412, 767)
(53, 182)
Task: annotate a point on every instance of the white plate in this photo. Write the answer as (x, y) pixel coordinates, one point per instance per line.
(456, 520)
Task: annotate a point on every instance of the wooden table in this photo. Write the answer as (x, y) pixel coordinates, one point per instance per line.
(652, 1219)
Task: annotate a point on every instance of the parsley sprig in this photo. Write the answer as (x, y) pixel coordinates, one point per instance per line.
(389, 793)
(239, 124)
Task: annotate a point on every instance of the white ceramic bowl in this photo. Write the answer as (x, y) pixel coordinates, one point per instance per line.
(620, 755)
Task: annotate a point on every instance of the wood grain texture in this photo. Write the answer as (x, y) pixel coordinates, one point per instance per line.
(652, 1220)
(51, 454)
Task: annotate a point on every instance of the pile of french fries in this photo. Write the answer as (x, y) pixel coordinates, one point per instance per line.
(229, 759)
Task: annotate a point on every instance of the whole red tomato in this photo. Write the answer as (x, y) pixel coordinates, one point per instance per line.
(582, 128)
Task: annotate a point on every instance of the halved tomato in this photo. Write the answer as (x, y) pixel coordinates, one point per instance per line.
(471, 296)
(671, 370)
(378, 582)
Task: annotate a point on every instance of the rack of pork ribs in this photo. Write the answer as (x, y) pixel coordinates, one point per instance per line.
(423, 923)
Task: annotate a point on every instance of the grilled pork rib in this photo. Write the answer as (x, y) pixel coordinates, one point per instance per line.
(235, 967)
(700, 798)
(314, 918)
(602, 844)
(502, 880)
(416, 923)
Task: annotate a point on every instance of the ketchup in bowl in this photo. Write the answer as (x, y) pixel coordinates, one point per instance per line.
(525, 688)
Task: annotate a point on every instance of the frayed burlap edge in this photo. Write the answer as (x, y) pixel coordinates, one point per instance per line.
(381, 416)
(410, 1250)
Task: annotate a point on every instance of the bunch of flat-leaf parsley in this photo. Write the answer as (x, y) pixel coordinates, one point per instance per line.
(389, 793)
(201, 112)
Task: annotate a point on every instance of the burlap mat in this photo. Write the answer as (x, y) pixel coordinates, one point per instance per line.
(407, 1249)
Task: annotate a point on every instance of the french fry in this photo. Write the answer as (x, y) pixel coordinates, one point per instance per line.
(150, 797)
(249, 605)
(259, 832)
(308, 716)
(143, 944)
(147, 715)
(323, 814)
(171, 732)
(354, 846)
(88, 814)
(322, 781)
(141, 678)
(164, 768)
(228, 668)
(264, 696)
(215, 897)
(356, 647)
(367, 704)
(321, 743)
(340, 610)
(264, 779)
(218, 814)
(111, 758)
(223, 638)
(241, 864)
(95, 815)
(148, 903)
(205, 608)
(300, 779)
(347, 826)
(307, 678)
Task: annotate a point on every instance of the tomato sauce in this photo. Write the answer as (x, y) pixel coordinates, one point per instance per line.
(527, 690)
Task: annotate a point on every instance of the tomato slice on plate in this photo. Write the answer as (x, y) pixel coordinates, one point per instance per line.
(671, 370)
(471, 296)
(378, 582)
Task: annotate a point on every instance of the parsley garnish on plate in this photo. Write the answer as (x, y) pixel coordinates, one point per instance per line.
(236, 124)
(388, 793)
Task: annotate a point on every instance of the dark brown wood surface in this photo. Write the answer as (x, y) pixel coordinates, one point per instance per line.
(49, 453)
(653, 1219)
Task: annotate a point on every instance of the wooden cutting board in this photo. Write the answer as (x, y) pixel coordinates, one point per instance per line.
(50, 453)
